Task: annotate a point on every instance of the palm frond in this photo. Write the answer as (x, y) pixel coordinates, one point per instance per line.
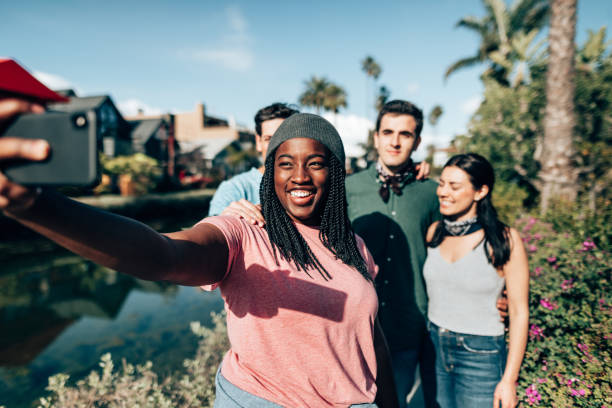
(526, 15)
(499, 11)
(473, 23)
(463, 63)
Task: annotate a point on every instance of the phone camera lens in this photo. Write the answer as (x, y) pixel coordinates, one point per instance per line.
(80, 121)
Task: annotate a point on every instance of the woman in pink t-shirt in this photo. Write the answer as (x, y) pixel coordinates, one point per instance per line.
(299, 294)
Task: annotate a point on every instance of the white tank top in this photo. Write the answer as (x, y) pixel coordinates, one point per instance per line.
(463, 294)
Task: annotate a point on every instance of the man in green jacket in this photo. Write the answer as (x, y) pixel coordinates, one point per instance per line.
(391, 210)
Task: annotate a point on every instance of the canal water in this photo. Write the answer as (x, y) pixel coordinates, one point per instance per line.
(61, 313)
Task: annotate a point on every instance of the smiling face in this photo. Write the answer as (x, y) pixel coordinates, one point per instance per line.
(395, 141)
(457, 195)
(300, 179)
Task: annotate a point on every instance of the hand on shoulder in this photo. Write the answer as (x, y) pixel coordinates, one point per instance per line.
(246, 210)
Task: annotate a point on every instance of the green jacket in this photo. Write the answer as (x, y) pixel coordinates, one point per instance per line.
(394, 232)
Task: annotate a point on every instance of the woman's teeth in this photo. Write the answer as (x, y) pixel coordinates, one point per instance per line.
(299, 193)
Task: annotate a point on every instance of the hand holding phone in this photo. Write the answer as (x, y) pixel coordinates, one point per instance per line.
(14, 197)
(73, 159)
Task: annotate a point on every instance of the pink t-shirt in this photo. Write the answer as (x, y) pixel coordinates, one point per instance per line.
(296, 340)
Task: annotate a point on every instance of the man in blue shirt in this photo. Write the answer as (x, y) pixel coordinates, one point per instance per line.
(245, 186)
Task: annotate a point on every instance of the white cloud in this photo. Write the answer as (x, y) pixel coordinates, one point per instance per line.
(353, 130)
(412, 88)
(236, 20)
(53, 81)
(469, 106)
(236, 54)
(132, 107)
(232, 58)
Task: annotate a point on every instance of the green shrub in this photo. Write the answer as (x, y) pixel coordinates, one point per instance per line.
(508, 200)
(139, 386)
(142, 169)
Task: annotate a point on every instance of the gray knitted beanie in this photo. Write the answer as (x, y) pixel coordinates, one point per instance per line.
(312, 127)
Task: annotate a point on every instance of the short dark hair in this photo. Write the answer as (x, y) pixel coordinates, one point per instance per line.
(400, 107)
(275, 111)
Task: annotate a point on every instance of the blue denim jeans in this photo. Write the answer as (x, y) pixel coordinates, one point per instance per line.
(230, 396)
(468, 367)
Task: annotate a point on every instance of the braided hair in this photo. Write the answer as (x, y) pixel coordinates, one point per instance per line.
(335, 231)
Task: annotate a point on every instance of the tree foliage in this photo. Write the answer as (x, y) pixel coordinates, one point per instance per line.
(434, 115)
(371, 68)
(506, 39)
(335, 98)
(320, 93)
(506, 126)
(314, 94)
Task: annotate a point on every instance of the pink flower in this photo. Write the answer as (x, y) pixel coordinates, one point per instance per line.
(537, 236)
(536, 332)
(542, 380)
(533, 396)
(538, 270)
(578, 393)
(567, 284)
(551, 259)
(584, 348)
(532, 248)
(588, 245)
(547, 304)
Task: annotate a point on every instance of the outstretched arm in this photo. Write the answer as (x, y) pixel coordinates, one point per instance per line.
(194, 257)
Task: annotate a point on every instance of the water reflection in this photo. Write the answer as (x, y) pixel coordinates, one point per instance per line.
(60, 313)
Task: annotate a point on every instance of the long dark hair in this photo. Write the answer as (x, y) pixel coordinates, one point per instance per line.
(335, 231)
(497, 240)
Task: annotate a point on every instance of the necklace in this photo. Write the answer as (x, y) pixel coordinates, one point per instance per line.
(461, 228)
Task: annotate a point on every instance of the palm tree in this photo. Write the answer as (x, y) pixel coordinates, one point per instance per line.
(372, 70)
(558, 176)
(434, 115)
(335, 98)
(383, 96)
(315, 93)
(371, 67)
(506, 37)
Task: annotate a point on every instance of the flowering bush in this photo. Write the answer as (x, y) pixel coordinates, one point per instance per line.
(567, 362)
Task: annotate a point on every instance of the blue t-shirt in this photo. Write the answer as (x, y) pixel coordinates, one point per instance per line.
(244, 185)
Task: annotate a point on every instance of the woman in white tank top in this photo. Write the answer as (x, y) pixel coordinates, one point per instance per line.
(471, 256)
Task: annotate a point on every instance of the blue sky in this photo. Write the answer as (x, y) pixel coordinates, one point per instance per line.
(238, 56)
